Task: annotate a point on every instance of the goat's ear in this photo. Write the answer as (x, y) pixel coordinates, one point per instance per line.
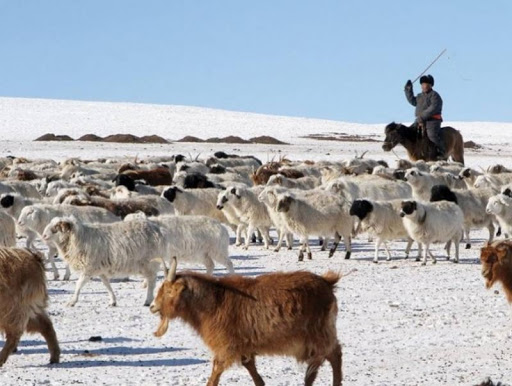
(502, 253)
(64, 226)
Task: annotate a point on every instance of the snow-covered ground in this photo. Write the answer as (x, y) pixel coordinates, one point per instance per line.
(399, 323)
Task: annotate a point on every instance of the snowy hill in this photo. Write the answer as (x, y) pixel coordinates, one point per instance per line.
(26, 119)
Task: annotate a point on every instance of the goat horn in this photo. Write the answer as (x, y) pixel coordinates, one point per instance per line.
(172, 270)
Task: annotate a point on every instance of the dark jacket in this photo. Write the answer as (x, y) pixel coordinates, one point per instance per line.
(427, 104)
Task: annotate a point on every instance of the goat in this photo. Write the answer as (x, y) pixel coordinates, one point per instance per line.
(303, 183)
(421, 183)
(108, 250)
(432, 222)
(120, 208)
(501, 207)
(496, 261)
(291, 314)
(23, 301)
(153, 177)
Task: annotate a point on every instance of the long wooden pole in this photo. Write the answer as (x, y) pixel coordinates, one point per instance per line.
(430, 65)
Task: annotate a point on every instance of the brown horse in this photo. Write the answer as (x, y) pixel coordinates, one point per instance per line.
(418, 145)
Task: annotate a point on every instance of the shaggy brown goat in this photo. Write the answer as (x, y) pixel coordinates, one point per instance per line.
(261, 176)
(153, 177)
(292, 314)
(120, 208)
(23, 300)
(496, 261)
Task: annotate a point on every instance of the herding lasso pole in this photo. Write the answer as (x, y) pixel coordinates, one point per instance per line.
(430, 65)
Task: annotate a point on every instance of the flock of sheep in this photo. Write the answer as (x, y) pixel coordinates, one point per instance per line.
(107, 218)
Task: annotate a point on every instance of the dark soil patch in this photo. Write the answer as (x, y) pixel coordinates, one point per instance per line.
(190, 138)
(472, 145)
(228, 139)
(122, 138)
(90, 138)
(153, 139)
(53, 137)
(267, 140)
(342, 137)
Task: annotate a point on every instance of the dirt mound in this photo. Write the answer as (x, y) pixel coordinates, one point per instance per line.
(122, 138)
(228, 139)
(53, 137)
(90, 138)
(267, 140)
(153, 139)
(190, 138)
(471, 145)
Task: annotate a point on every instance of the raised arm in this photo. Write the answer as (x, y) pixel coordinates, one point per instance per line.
(409, 94)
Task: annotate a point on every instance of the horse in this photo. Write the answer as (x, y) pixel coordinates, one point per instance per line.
(418, 145)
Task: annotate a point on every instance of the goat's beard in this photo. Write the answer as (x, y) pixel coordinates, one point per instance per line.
(487, 274)
(162, 327)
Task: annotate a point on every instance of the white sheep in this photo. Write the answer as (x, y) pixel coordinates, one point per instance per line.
(303, 183)
(422, 182)
(374, 187)
(163, 206)
(500, 206)
(13, 204)
(36, 217)
(324, 214)
(194, 239)
(26, 189)
(250, 211)
(433, 222)
(199, 202)
(381, 219)
(473, 203)
(109, 250)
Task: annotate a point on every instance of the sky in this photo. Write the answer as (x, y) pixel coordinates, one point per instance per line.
(339, 60)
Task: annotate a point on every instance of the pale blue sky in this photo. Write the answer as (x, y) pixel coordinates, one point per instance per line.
(342, 60)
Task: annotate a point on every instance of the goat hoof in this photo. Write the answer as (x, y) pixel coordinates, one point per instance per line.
(70, 304)
(375, 261)
(54, 361)
(418, 259)
(331, 253)
(347, 255)
(388, 259)
(468, 246)
(406, 257)
(310, 255)
(289, 248)
(301, 256)
(276, 249)
(434, 261)
(113, 304)
(423, 263)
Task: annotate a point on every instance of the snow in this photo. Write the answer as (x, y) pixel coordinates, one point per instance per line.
(399, 323)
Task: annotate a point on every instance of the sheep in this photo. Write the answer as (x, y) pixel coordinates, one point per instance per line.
(422, 183)
(192, 181)
(120, 208)
(432, 222)
(200, 202)
(304, 183)
(23, 301)
(473, 203)
(13, 204)
(382, 220)
(323, 215)
(493, 181)
(194, 239)
(250, 211)
(239, 318)
(268, 196)
(496, 261)
(192, 167)
(162, 205)
(61, 196)
(233, 161)
(54, 187)
(469, 176)
(26, 189)
(132, 185)
(232, 217)
(501, 207)
(369, 186)
(108, 250)
(36, 217)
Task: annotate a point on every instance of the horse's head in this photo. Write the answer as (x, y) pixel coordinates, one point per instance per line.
(392, 136)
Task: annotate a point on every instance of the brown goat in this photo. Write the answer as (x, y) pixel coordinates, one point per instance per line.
(153, 177)
(120, 208)
(262, 175)
(496, 261)
(292, 314)
(23, 300)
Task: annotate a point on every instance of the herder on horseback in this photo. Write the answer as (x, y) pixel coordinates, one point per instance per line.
(429, 107)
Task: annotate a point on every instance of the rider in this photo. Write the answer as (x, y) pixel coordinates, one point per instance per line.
(428, 111)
